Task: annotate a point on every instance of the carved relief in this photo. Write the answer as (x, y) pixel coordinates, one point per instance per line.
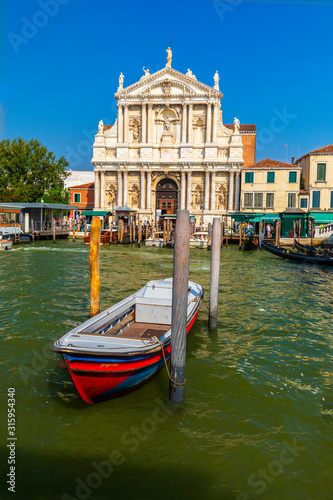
(167, 88)
(110, 153)
(112, 132)
(222, 131)
(222, 153)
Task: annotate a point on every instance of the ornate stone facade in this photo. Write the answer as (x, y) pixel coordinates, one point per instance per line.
(169, 126)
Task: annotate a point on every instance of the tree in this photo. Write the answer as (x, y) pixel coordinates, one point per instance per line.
(29, 172)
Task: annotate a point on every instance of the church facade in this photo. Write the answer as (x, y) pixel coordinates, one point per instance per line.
(169, 149)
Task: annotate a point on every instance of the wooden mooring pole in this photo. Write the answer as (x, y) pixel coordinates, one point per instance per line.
(32, 230)
(54, 230)
(73, 226)
(209, 242)
(140, 234)
(95, 237)
(181, 257)
(214, 272)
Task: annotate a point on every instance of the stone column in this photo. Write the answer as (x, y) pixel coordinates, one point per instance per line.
(148, 189)
(120, 123)
(206, 203)
(184, 124)
(150, 123)
(119, 189)
(126, 124)
(190, 122)
(125, 188)
(142, 190)
(143, 123)
(209, 122)
(182, 191)
(97, 195)
(189, 191)
(231, 192)
(216, 110)
(102, 187)
(212, 192)
(237, 194)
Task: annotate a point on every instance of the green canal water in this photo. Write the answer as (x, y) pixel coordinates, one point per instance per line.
(257, 420)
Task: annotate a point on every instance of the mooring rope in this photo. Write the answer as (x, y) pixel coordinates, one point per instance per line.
(156, 340)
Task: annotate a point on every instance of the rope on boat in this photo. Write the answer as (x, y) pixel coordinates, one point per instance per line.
(157, 341)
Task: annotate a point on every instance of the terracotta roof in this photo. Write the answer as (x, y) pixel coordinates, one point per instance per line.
(326, 150)
(270, 164)
(107, 127)
(243, 128)
(89, 185)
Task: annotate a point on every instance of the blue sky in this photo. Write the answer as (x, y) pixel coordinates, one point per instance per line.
(61, 60)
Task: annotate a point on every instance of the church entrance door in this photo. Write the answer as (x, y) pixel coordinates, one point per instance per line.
(167, 197)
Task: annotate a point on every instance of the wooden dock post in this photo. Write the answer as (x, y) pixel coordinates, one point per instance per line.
(168, 231)
(85, 228)
(181, 257)
(130, 228)
(54, 230)
(276, 234)
(140, 234)
(222, 231)
(214, 273)
(134, 232)
(32, 230)
(73, 226)
(209, 242)
(240, 236)
(95, 238)
(164, 232)
(299, 230)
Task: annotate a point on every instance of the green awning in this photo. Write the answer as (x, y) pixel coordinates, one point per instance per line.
(269, 217)
(322, 217)
(96, 213)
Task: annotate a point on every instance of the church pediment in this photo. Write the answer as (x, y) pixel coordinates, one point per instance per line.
(168, 82)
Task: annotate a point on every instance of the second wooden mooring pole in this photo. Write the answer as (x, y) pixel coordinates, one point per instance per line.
(181, 257)
(95, 236)
(214, 273)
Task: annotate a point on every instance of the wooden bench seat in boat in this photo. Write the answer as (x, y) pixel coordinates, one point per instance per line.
(144, 330)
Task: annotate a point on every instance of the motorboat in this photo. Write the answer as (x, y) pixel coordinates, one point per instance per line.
(5, 242)
(123, 347)
(155, 239)
(199, 239)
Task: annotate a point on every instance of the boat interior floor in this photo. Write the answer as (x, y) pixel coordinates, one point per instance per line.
(144, 330)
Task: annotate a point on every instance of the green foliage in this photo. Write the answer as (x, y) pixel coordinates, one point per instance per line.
(29, 172)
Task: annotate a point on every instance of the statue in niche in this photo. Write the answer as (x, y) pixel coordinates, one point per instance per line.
(221, 199)
(216, 80)
(135, 199)
(136, 133)
(169, 57)
(166, 126)
(236, 125)
(198, 198)
(100, 127)
(121, 81)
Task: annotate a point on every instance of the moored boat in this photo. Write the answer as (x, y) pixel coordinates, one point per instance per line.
(5, 242)
(120, 349)
(155, 239)
(199, 239)
(296, 257)
(106, 238)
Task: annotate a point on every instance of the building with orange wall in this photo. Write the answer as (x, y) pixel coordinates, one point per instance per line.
(83, 196)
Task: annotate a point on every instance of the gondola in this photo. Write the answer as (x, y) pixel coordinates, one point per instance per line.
(296, 257)
(312, 251)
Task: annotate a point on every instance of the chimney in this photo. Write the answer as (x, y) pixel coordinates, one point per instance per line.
(293, 160)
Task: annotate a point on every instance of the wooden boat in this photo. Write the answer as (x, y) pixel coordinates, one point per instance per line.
(155, 240)
(310, 250)
(199, 239)
(105, 237)
(296, 257)
(5, 242)
(120, 349)
(248, 243)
